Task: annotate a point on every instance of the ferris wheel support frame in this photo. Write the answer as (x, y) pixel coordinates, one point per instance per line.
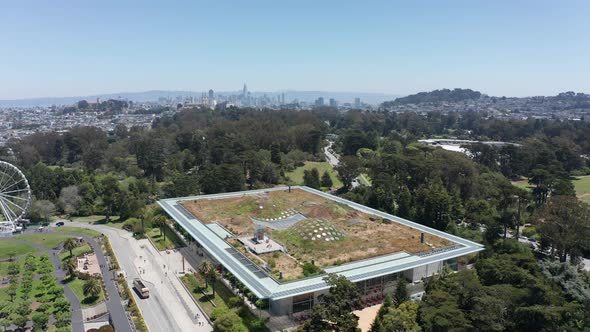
(9, 191)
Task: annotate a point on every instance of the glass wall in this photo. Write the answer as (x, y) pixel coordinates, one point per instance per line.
(302, 302)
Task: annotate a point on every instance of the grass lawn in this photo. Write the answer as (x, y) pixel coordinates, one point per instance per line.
(48, 241)
(582, 185)
(100, 219)
(4, 266)
(523, 183)
(85, 248)
(76, 285)
(77, 230)
(8, 247)
(172, 240)
(297, 175)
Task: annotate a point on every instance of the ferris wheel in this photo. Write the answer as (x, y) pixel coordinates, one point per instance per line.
(15, 196)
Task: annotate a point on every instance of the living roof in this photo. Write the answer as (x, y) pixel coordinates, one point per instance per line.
(331, 234)
(204, 226)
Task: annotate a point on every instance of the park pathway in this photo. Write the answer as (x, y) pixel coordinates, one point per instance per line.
(75, 307)
(118, 314)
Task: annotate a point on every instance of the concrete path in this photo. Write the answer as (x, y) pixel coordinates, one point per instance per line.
(166, 308)
(114, 303)
(75, 307)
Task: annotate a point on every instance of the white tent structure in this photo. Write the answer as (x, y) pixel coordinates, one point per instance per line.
(15, 197)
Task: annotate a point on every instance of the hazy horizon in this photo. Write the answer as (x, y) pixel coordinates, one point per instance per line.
(501, 48)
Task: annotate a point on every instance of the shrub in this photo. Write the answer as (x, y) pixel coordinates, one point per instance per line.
(310, 269)
(228, 321)
(234, 302)
(272, 263)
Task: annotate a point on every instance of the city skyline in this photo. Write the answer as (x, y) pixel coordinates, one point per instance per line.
(500, 48)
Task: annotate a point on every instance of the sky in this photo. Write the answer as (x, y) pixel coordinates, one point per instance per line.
(514, 48)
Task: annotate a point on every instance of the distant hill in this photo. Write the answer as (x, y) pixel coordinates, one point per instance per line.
(443, 95)
(153, 95)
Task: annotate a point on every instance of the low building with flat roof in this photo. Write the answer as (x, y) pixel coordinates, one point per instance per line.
(281, 243)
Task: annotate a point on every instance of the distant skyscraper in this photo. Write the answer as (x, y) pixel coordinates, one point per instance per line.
(283, 98)
(319, 101)
(357, 102)
(245, 90)
(211, 94)
(333, 103)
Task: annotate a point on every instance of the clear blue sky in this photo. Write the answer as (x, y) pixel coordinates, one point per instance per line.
(79, 47)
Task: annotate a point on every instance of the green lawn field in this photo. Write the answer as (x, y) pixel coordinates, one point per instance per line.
(172, 240)
(76, 285)
(100, 219)
(8, 248)
(297, 175)
(522, 183)
(85, 248)
(77, 230)
(48, 241)
(582, 185)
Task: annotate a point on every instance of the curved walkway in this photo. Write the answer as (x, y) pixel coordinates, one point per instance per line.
(114, 305)
(75, 307)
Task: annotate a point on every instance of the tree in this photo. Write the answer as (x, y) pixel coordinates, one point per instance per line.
(11, 290)
(401, 291)
(227, 321)
(275, 154)
(70, 199)
(334, 310)
(570, 279)
(564, 224)
(326, 180)
(92, 288)
(439, 312)
(83, 104)
(151, 152)
(402, 318)
(70, 266)
(348, 169)
(40, 321)
(182, 185)
(121, 131)
(160, 222)
(311, 178)
(44, 209)
(109, 188)
(13, 269)
(377, 325)
(70, 244)
(20, 321)
(212, 275)
(204, 268)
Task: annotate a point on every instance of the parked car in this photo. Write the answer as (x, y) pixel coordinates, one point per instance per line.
(59, 223)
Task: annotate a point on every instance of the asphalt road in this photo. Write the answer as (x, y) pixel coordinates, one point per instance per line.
(155, 312)
(333, 160)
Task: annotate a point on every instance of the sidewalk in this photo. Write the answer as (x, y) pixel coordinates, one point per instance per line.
(168, 308)
(163, 270)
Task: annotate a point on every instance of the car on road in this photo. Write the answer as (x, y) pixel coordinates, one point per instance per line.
(59, 223)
